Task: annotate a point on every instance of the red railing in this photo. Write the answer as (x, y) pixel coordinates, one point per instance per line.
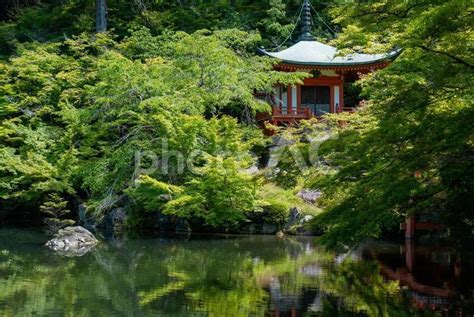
(280, 115)
(298, 113)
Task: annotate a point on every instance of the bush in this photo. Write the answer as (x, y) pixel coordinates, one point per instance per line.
(276, 203)
(220, 196)
(151, 194)
(55, 214)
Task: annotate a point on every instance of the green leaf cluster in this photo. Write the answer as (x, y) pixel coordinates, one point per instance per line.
(409, 151)
(83, 119)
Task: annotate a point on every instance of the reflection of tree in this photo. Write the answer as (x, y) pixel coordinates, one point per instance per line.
(216, 281)
(350, 286)
(212, 277)
(363, 289)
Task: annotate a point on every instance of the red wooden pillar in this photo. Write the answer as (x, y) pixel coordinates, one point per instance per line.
(457, 269)
(410, 243)
(298, 98)
(410, 228)
(331, 99)
(410, 254)
(341, 96)
(289, 104)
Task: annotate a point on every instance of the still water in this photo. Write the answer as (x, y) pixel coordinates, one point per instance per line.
(231, 276)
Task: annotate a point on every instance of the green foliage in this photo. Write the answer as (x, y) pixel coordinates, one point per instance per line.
(410, 150)
(151, 194)
(276, 203)
(39, 123)
(219, 72)
(291, 162)
(275, 24)
(220, 195)
(8, 39)
(84, 117)
(52, 20)
(55, 213)
(157, 105)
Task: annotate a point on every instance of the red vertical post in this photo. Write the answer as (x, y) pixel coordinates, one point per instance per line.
(410, 228)
(410, 254)
(289, 105)
(331, 99)
(298, 98)
(341, 97)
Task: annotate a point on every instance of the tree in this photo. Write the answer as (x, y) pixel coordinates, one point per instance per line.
(56, 214)
(275, 24)
(410, 151)
(101, 15)
(221, 195)
(76, 113)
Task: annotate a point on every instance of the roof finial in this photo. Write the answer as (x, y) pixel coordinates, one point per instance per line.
(307, 22)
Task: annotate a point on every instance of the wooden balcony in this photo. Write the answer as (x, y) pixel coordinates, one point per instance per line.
(285, 116)
(290, 115)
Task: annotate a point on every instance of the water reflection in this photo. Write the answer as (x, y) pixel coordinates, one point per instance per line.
(221, 276)
(435, 276)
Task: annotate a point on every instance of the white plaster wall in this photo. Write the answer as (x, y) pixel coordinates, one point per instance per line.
(337, 98)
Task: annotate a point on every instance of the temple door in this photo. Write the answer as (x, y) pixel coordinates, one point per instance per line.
(316, 98)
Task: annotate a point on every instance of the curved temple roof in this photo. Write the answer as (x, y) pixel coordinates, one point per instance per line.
(313, 53)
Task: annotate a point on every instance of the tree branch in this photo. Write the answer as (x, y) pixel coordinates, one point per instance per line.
(457, 59)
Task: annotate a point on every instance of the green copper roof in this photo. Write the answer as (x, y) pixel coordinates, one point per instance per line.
(314, 53)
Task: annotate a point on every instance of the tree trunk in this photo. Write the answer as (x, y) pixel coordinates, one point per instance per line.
(100, 16)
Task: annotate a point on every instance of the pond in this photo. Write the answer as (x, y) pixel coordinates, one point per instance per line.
(230, 276)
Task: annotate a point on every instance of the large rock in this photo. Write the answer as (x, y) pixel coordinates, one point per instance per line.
(294, 218)
(309, 196)
(249, 228)
(82, 213)
(72, 241)
(115, 220)
(253, 170)
(88, 222)
(269, 228)
(182, 226)
(297, 223)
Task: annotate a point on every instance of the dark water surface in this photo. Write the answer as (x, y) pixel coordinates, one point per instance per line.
(231, 276)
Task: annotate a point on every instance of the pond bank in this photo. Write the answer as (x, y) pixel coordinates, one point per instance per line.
(116, 220)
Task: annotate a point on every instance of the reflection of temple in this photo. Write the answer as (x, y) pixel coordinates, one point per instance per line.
(431, 274)
(430, 277)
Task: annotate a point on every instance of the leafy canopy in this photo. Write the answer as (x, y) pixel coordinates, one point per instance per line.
(410, 150)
